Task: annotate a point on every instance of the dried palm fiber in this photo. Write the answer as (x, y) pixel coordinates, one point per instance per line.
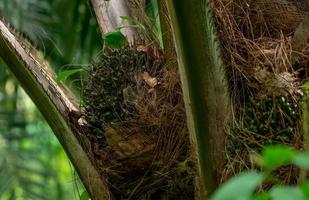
(264, 85)
(301, 47)
(146, 29)
(285, 15)
(302, 63)
(140, 138)
(278, 15)
(250, 48)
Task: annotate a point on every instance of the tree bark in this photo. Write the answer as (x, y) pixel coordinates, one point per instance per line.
(108, 15)
(56, 106)
(204, 83)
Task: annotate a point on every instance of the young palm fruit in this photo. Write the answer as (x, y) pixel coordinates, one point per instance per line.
(112, 85)
(139, 135)
(114, 82)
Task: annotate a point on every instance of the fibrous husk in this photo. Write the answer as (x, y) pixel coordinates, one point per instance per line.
(264, 77)
(284, 15)
(140, 138)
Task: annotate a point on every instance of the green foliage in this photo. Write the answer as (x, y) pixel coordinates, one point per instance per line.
(32, 162)
(301, 160)
(243, 186)
(114, 40)
(27, 170)
(286, 193)
(275, 156)
(84, 196)
(305, 189)
(28, 17)
(239, 188)
(67, 73)
(152, 10)
(305, 87)
(263, 196)
(66, 31)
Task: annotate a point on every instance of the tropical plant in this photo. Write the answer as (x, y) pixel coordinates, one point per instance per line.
(249, 185)
(91, 145)
(204, 84)
(26, 172)
(60, 112)
(245, 185)
(31, 175)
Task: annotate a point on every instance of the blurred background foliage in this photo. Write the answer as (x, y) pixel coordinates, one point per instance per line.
(32, 163)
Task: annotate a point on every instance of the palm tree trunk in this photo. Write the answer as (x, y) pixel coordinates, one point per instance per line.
(56, 106)
(204, 83)
(108, 15)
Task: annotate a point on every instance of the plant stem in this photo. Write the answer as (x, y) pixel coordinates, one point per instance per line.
(204, 84)
(51, 99)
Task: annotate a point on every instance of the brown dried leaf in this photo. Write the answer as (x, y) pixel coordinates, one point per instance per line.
(152, 52)
(151, 81)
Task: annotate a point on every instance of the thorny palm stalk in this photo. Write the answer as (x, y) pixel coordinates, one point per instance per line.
(51, 100)
(204, 83)
(54, 104)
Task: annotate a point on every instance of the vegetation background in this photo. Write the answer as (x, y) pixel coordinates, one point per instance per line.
(33, 165)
